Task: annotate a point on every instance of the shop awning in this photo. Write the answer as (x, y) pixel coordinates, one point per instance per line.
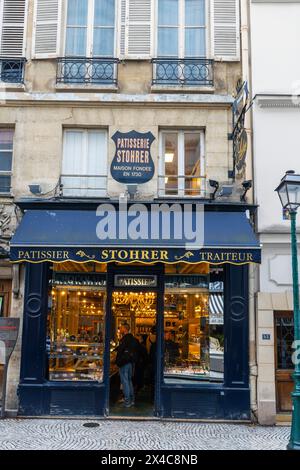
(73, 235)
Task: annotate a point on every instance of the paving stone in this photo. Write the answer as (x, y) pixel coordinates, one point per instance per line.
(59, 434)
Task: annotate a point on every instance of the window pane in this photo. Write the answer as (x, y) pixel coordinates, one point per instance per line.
(195, 42)
(75, 339)
(194, 327)
(103, 42)
(167, 42)
(6, 139)
(76, 42)
(195, 13)
(167, 12)
(192, 154)
(5, 161)
(171, 154)
(5, 184)
(104, 13)
(77, 13)
(285, 338)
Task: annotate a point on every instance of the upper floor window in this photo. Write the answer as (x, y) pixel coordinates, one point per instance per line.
(181, 28)
(84, 168)
(6, 155)
(90, 28)
(182, 166)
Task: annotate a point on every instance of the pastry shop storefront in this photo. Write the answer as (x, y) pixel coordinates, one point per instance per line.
(186, 304)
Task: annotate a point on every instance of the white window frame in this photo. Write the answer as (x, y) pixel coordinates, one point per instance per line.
(8, 173)
(181, 162)
(85, 131)
(90, 29)
(181, 30)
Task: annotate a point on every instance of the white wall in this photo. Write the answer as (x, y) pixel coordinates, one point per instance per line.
(275, 62)
(275, 46)
(276, 150)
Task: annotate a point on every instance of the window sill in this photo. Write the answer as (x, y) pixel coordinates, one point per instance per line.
(182, 88)
(7, 86)
(86, 87)
(5, 196)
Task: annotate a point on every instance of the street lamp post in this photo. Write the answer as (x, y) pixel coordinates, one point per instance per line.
(289, 194)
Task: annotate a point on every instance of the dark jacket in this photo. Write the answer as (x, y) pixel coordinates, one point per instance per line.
(171, 351)
(127, 351)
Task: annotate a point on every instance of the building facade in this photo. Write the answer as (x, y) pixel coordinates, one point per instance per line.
(106, 104)
(276, 140)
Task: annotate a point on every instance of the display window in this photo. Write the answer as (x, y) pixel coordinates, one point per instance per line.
(76, 323)
(194, 324)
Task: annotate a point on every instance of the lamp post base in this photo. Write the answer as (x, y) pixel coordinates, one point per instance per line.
(294, 443)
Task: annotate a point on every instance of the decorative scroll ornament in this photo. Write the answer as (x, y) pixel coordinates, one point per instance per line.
(187, 255)
(82, 254)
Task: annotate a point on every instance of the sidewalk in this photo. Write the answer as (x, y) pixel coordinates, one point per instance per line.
(53, 434)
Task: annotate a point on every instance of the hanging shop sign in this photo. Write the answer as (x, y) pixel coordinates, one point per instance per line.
(133, 163)
(79, 279)
(178, 280)
(121, 280)
(9, 330)
(240, 137)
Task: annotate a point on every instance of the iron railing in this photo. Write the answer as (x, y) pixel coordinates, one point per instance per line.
(12, 70)
(189, 72)
(86, 70)
(85, 186)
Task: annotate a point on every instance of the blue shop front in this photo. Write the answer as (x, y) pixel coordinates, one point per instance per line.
(186, 303)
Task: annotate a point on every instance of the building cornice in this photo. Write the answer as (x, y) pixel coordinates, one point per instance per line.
(114, 99)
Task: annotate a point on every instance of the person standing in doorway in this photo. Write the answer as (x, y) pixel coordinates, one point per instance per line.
(127, 352)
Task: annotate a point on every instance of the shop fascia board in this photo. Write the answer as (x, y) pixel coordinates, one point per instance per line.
(111, 99)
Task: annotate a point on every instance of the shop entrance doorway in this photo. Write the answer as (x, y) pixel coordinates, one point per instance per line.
(135, 312)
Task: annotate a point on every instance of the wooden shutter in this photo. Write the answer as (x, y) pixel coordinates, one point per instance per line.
(136, 19)
(225, 27)
(47, 19)
(13, 26)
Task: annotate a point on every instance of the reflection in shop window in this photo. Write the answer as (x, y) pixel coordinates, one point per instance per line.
(75, 339)
(194, 326)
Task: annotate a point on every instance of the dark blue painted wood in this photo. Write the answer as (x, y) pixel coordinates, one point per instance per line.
(33, 367)
(236, 367)
(37, 395)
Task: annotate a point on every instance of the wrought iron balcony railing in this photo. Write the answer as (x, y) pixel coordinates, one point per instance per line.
(189, 72)
(86, 70)
(12, 70)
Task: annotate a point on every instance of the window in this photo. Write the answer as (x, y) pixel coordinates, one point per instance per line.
(194, 325)
(181, 169)
(285, 336)
(181, 28)
(84, 168)
(6, 154)
(90, 30)
(75, 325)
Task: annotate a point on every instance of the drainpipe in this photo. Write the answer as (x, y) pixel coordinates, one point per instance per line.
(253, 270)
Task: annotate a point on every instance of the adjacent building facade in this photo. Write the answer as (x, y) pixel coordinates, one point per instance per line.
(89, 89)
(275, 83)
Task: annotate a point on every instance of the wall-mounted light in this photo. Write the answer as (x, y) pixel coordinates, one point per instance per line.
(214, 184)
(226, 191)
(246, 186)
(35, 189)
